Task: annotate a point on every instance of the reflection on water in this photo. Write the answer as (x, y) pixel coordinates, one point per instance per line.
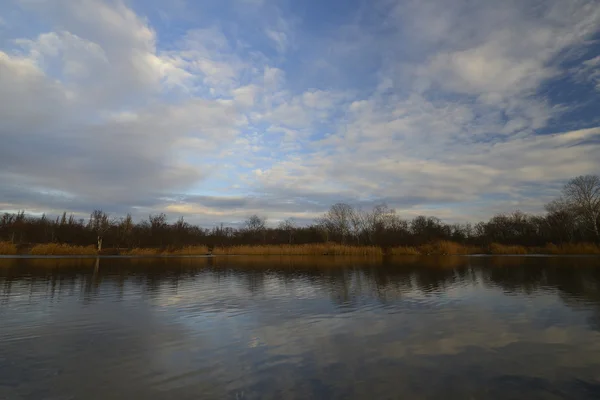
(278, 328)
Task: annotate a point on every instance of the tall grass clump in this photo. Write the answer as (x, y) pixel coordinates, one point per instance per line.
(56, 249)
(496, 248)
(447, 248)
(440, 248)
(183, 251)
(137, 251)
(8, 249)
(303, 249)
(404, 251)
(572, 248)
(190, 251)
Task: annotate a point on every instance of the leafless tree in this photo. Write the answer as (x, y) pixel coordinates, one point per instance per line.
(125, 230)
(582, 194)
(358, 221)
(254, 223)
(256, 226)
(100, 223)
(378, 220)
(289, 227)
(561, 219)
(338, 220)
(158, 228)
(573, 218)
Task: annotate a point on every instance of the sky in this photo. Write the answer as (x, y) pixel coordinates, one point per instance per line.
(218, 109)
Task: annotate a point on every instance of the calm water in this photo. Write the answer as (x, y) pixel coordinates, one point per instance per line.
(273, 328)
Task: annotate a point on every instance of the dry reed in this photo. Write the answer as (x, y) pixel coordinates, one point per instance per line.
(141, 252)
(572, 249)
(316, 249)
(447, 248)
(56, 249)
(496, 248)
(185, 251)
(7, 249)
(404, 251)
(303, 249)
(190, 251)
(441, 248)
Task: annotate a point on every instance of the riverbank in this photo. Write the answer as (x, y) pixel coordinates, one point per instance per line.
(437, 248)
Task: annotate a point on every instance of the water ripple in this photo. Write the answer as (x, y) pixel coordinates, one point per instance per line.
(185, 328)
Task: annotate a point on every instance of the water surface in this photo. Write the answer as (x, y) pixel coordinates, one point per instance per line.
(299, 328)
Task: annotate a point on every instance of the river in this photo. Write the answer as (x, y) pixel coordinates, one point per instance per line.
(300, 328)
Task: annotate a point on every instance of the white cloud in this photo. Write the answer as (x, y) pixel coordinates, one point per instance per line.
(246, 95)
(279, 38)
(85, 116)
(79, 59)
(436, 103)
(589, 71)
(273, 78)
(208, 54)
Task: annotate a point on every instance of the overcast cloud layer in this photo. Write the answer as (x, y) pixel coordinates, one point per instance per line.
(215, 110)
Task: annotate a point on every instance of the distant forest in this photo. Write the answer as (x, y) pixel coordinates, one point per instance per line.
(574, 217)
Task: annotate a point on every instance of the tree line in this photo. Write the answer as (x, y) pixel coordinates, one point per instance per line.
(574, 217)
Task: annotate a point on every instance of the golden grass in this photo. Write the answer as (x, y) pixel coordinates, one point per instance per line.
(331, 249)
(190, 251)
(7, 249)
(185, 251)
(440, 248)
(572, 248)
(496, 248)
(404, 251)
(447, 248)
(316, 249)
(141, 252)
(55, 249)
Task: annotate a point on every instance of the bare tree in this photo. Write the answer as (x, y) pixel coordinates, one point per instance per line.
(125, 230)
(358, 221)
(255, 223)
(158, 228)
(324, 228)
(338, 220)
(289, 227)
(582, 194)
(561, 219)
(378, 220)
(100, 224)
(256, 226)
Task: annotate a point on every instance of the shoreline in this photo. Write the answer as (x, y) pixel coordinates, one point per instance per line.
(442, 248)
(222, 256)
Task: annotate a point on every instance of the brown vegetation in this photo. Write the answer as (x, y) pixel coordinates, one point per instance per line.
(190, 251)
(404, 251)
(571, 223)
(184, 251)
(572, 248)
(445, 247)
(496, 248)
(439, 248)
(141, 252)
(7, 249)
(331, 249)
(56, 249)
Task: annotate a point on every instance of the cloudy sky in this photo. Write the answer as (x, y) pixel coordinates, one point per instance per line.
(217, 109)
